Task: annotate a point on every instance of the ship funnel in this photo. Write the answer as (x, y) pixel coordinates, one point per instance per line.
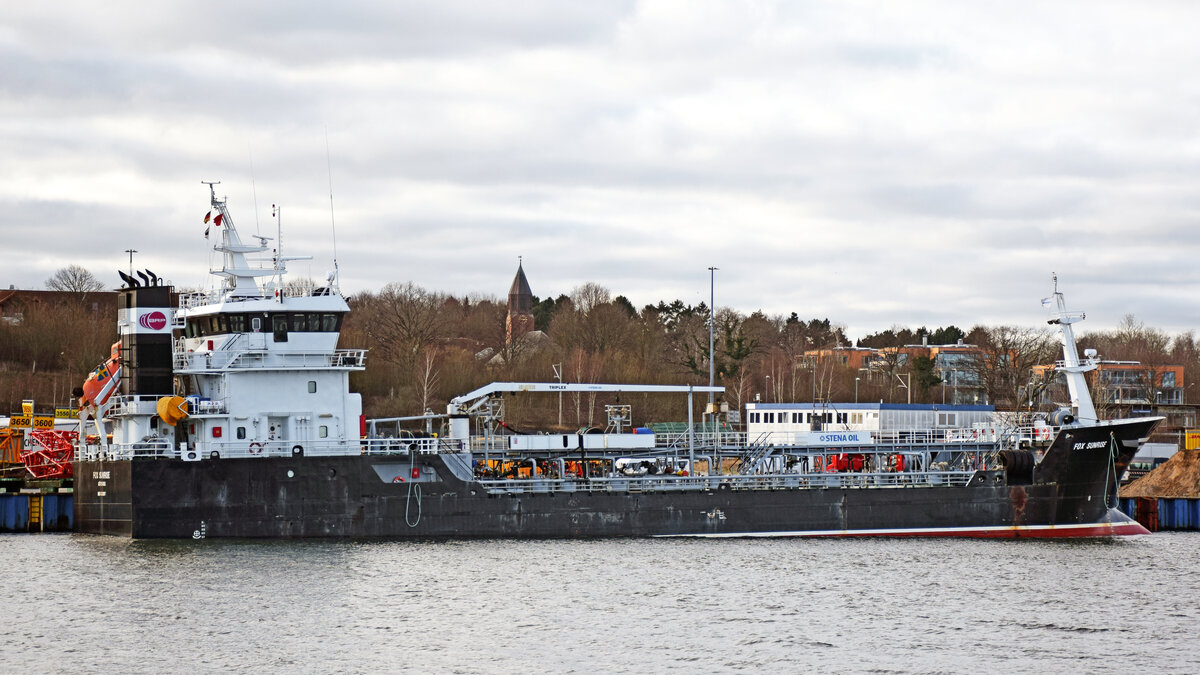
(145, 325)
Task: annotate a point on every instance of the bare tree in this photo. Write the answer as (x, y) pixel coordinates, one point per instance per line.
(299, 287)
(427, 377)
(404, 320)
(1003, 364)
(1133, 341)
(590, 295)
(74, 279)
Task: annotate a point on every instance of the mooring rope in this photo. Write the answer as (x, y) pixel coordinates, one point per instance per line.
(408, 505)
(1113, 449)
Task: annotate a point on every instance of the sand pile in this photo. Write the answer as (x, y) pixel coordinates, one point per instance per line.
(1176, 477)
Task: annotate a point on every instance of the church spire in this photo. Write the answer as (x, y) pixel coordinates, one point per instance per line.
(520, 305)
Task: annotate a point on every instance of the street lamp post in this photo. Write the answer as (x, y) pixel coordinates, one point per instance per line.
(558, 376)
(907, 387)
(712, 323)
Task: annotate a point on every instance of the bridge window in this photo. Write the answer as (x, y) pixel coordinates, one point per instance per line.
(279, 325)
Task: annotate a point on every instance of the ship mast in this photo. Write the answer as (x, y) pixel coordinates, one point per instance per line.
(239, 275)
(1081, 397)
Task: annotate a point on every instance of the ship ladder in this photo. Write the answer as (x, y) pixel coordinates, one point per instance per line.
(35, 512)
(756, 452)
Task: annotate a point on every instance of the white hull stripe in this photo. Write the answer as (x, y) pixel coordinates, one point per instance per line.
(1102, 529)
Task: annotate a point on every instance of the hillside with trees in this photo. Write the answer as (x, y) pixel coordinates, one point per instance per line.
(426, 347)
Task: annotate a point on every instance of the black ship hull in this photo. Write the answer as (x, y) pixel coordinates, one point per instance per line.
(1070, 493)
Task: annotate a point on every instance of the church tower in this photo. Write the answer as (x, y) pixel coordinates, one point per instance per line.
(520, 306)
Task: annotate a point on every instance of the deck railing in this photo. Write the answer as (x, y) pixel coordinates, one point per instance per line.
(778, 481)
(277, 448)
(257, 359)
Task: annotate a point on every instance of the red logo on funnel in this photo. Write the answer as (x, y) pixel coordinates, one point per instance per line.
(153, 321)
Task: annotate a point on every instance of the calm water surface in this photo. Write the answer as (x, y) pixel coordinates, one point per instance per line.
(76, 603)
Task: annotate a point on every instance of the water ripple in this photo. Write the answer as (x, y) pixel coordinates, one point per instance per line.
(90, 604)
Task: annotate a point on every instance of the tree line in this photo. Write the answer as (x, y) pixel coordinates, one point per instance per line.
(435, 346)
(426, 347)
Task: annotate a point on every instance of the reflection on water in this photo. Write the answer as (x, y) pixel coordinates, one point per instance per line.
(90, 604)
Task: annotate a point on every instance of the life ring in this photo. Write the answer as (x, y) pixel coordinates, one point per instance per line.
(297, 450)
(398, 479)
(256, 448)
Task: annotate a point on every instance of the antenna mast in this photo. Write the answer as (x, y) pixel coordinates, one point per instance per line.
(254, 191)
(332, 223)
(277, 214)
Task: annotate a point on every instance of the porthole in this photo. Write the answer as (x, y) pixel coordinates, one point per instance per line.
(291, 474)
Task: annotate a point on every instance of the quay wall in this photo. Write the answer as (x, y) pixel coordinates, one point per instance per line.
(27, 512)
(1165, 513)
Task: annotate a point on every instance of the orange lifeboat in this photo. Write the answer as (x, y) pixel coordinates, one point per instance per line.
(103, 381)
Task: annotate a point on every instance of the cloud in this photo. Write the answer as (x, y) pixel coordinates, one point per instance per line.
(928, 163)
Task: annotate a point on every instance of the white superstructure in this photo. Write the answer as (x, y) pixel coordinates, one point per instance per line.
(249, 369)
(259, 365)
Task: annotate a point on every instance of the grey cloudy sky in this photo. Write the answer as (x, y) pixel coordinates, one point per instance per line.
(875, 163)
